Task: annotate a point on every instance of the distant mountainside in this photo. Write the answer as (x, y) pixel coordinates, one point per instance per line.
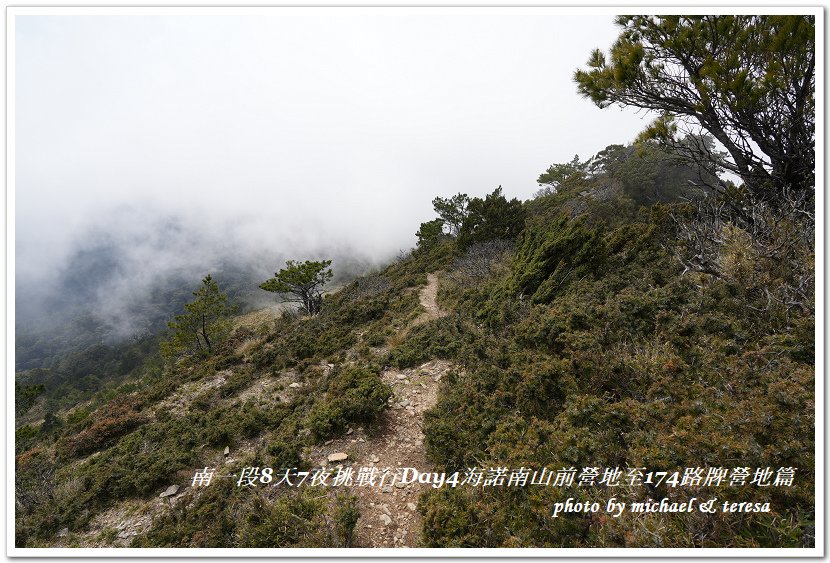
(106, 295)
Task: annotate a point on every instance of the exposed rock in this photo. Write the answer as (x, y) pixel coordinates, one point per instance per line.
(411, 506)
(349, 431)
(374, 459)
(405, 403)
(385, 509)
(386, 489)
(63, 533)
(339, 456)
(401, 376)
(227, 451)
(295, 385)
(386, 519)
(170, 491)
(400, 485)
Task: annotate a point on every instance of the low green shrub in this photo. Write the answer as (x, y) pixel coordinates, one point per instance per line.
(352, 395)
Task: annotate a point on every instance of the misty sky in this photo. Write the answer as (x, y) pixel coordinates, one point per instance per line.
(295, 130)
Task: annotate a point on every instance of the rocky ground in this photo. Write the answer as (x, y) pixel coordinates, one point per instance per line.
(389, 516)
(388, 513)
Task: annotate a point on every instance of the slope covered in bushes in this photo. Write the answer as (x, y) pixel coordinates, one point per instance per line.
(580, 338)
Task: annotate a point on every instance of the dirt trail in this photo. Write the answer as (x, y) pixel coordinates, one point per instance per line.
(428, 297)
(389, 515)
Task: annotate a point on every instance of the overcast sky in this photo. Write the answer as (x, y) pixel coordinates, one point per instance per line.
(291, 129)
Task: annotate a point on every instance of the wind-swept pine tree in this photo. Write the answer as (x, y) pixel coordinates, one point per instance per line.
(301, 282)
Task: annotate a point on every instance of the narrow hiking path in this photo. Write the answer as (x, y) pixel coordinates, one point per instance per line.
(389, 515)
(429, 299)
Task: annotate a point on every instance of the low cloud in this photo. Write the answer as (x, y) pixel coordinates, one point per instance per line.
(175, 146)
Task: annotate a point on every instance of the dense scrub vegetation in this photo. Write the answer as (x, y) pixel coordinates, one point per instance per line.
(601, 354)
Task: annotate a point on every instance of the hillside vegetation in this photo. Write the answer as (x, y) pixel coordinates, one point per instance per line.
(579, 342)
(643, 312)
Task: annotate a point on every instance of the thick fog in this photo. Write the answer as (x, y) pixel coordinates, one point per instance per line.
(182, 143)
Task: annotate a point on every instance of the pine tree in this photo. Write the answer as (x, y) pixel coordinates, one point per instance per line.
(301, 282)
(748, 81)
(204, 324)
